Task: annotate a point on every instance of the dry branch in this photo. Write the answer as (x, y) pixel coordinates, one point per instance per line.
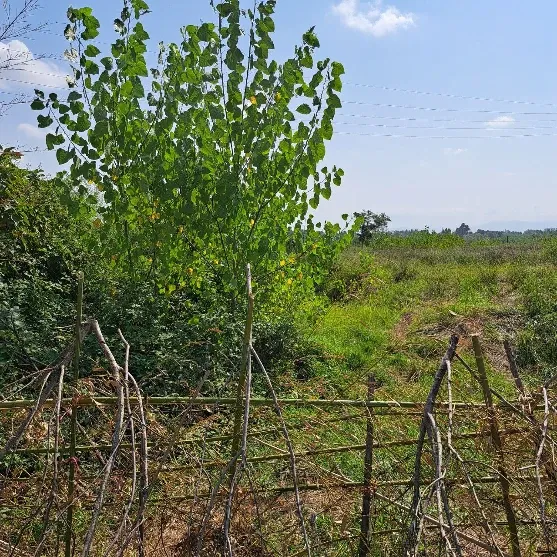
(415, 511)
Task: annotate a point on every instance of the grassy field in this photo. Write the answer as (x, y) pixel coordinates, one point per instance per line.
(393, 311)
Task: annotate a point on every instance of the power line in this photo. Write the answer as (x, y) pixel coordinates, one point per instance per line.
(486, 128)
(447, 95)
(412, 119)
(32, 83)
(450, 137)
(453, 110)
(41, 57)
(375, 116)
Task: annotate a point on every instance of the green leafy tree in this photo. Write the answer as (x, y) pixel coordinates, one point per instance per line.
(218, 164)
(463, 230)
(371, 223)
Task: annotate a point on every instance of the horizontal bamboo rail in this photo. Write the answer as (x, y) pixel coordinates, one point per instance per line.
(349, 485)
(83, 402)
(263, 458)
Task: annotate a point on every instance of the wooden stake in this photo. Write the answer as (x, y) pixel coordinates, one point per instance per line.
(365, 542)
(498, 445)
(73, 422)
(246, 354)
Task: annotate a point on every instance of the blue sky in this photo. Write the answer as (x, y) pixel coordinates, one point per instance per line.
(409, 65)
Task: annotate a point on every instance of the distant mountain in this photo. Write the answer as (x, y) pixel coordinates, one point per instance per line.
(518, 225)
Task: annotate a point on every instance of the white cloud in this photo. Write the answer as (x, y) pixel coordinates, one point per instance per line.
(454, 151)
(500, 122)
(372, 17)
(19, 64)
(31, 130)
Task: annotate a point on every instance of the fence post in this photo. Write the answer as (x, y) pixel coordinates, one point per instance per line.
(246, 353)
(368, 469)
(497, 444)
(73, 421)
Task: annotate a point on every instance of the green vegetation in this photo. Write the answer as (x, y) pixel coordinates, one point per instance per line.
(168, 195)
(217, 166)
(395, 302)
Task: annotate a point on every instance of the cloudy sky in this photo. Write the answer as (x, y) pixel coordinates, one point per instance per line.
(449, 108)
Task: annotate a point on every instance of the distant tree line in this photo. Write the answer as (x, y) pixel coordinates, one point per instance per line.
(374, 224)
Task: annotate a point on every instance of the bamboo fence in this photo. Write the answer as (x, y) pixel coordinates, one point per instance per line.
(467, 471)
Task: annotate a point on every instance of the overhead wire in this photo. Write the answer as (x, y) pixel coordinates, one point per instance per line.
(488, 128)
(452, 110)
(451, 137)
(447, 95)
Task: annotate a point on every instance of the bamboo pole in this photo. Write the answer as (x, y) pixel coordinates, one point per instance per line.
(215, 439)
(498, 445)
(73, 422)
(365, 541)
(89, 401)
(238, 401)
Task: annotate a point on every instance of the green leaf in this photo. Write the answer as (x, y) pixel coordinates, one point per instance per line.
(137, 90)
(92, 51)
(50, 141)
(326, 128)
(63, 156)
(37, 104)
(91, 28)
(44, 121)
(107, 62)
(333, 101)
(126, 89)
(337, 69)
(345, 216)
(304, 109)
(82, 123)
(140, 32)
(224, 9)
(310, 38)
(74, 96)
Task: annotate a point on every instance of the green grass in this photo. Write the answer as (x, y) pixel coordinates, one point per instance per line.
(392, 312)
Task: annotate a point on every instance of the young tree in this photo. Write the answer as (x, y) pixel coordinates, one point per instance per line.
(218, 165)
(370, 224)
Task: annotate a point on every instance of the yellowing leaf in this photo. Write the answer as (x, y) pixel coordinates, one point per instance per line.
(253, 100)
(283, 263)
(97, 223)
(251, 223)
(289, 281)
(277, 97)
